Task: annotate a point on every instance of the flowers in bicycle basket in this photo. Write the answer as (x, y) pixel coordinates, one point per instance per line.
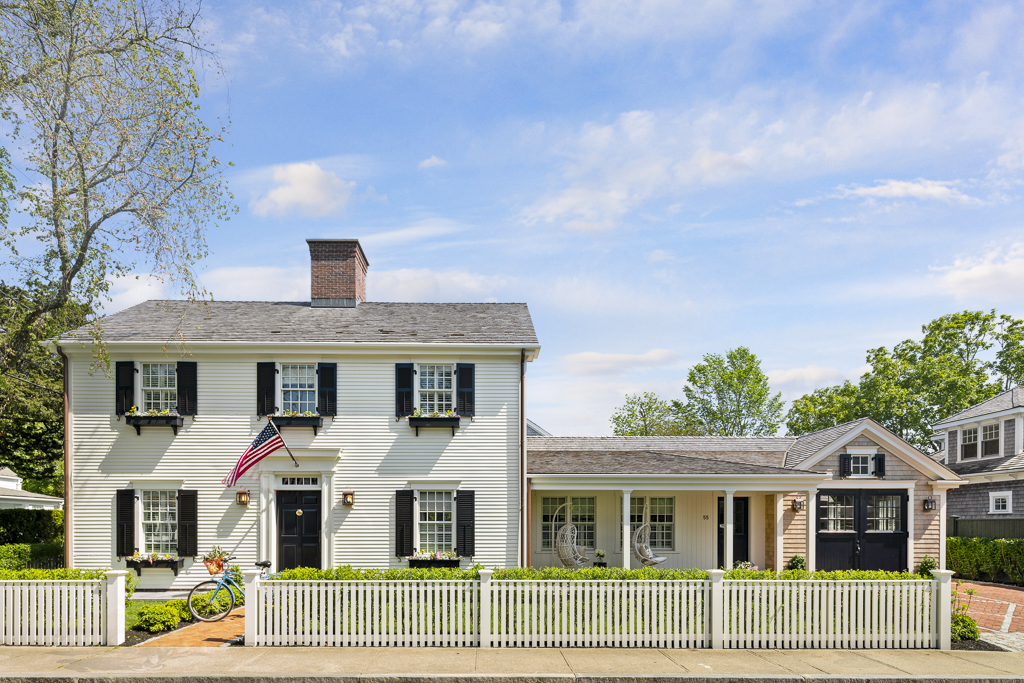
(214, 560)
(438, 555)
(150, 557)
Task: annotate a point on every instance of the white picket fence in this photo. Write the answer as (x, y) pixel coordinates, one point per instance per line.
(88, 612)
(663, 614)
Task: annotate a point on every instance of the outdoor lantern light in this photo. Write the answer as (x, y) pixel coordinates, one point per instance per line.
(929, 503)
(242, 497)
(348, 498)
(798, 504)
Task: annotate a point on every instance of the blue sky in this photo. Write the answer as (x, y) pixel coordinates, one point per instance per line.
(657, 179)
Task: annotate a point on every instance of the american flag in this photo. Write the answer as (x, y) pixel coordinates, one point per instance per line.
(268, 441)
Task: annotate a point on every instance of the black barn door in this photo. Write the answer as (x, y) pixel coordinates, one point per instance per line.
(862, 529)
(298, 529)
(740, 530)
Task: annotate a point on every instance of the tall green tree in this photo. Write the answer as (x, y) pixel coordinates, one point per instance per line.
(117, 168)
(730, 396)
(920, 382)
(646, 415)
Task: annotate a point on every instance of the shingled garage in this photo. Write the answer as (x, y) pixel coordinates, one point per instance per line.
(855, 496)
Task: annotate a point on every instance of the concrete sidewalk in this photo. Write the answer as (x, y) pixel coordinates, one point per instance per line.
(337, 665)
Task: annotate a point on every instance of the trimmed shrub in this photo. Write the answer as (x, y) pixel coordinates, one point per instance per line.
(15, 556)
(31, 526)
(986, 558)
(797, 562)
(347, 573)
(156, 618)
(926, 566)
(52, 574)
(964, 627)
(182, 607)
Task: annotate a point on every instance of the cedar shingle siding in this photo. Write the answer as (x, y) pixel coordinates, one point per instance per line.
(971, 502)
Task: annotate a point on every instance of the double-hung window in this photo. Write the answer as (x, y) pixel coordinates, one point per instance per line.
(298, 387)
(159, 387)
(969, 443)
(990, 440)
(435, 392)
(660, 515)
(553, 517)
(160, 522)
(436, 521)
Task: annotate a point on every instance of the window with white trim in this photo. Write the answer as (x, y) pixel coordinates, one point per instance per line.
(584, 517)
(860, 465)
(159, 387)
(298, 387)
(551, 520)
(435, 388)
(1000, 502)
(969, 443)
(160, 522)
(662, 518)
(436, 521)
(990, 440)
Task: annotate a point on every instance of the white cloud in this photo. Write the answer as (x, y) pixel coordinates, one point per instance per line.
(304, 188)
(133, 289)
(423, 284)
(426, 229)
(594, 363)
(432, 162)
(944, 191)
(660, 256)
(995, 276)
(258, 283)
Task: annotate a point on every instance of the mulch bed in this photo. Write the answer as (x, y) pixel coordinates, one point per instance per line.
(975, 645)
(132, 638)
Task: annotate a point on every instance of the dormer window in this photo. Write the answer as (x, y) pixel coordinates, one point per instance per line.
(969, 444)
(990, 440)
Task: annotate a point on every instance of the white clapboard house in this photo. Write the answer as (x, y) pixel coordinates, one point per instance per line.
(343, 376)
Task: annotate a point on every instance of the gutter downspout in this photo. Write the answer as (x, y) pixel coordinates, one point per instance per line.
(68, 540)
(523, 501)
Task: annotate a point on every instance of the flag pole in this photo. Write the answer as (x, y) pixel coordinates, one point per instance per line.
(271, 421)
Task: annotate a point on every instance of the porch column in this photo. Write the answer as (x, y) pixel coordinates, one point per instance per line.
(627, 540)
(942, 528)
(780, 512)
(810, 503)
(729, 514)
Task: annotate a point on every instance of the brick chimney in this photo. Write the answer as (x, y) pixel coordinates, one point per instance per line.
(338, 273)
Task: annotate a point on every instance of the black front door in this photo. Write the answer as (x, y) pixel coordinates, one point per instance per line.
(740, 533)
(862, 529)
(298, 529)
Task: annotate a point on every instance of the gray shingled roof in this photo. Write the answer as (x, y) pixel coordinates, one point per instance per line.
(29, 495)
(809, 444)
(989, 465)
(638, 462)
(766, 451)
(7, 472)
(1014, 398)
(291, 321)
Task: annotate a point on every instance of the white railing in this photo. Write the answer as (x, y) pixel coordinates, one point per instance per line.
(663, 614)
(87, 612)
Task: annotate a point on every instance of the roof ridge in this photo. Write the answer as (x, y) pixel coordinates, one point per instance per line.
(979, 403)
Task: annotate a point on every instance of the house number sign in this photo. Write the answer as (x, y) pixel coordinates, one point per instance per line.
(298, 513)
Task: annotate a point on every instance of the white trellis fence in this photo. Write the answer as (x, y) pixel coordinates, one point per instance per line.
(665, 614)
(73, 612)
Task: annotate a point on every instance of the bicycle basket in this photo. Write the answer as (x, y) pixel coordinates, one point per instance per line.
(214, 566)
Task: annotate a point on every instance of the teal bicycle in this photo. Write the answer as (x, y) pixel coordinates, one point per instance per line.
(212, 600)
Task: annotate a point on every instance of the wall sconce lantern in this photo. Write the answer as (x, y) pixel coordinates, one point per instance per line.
(798, 504)
(929, 504)
(348, 498)
(242, 497)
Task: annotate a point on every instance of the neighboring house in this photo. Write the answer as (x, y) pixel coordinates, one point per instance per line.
(13, 496)
(369, 488)
(876, 501)
(532, 429)
(984, 444)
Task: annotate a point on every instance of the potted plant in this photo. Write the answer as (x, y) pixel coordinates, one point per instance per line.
(155, 560)
(599, 556)
(155, 418)
(294, 418)
(214, 560)
(422, 418)
(426, 559)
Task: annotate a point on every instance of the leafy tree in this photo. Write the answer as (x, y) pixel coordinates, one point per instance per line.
(118, 166)
(730, 396)
(646, 415)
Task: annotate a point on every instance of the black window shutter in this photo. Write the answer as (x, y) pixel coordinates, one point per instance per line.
(951, 448)
(188, 523)
(465, 523)
(879, 465)
(327, 388)
(124, 523)
(188, 381)
(465, 377)
(403, 389)
(124, 379)
(266, 378)
(403, 522)
(845, 465)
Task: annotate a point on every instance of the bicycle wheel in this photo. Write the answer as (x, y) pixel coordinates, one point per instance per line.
(210, 601)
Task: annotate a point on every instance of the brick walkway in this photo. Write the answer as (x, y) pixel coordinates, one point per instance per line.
(996, 608)
(203, 634)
